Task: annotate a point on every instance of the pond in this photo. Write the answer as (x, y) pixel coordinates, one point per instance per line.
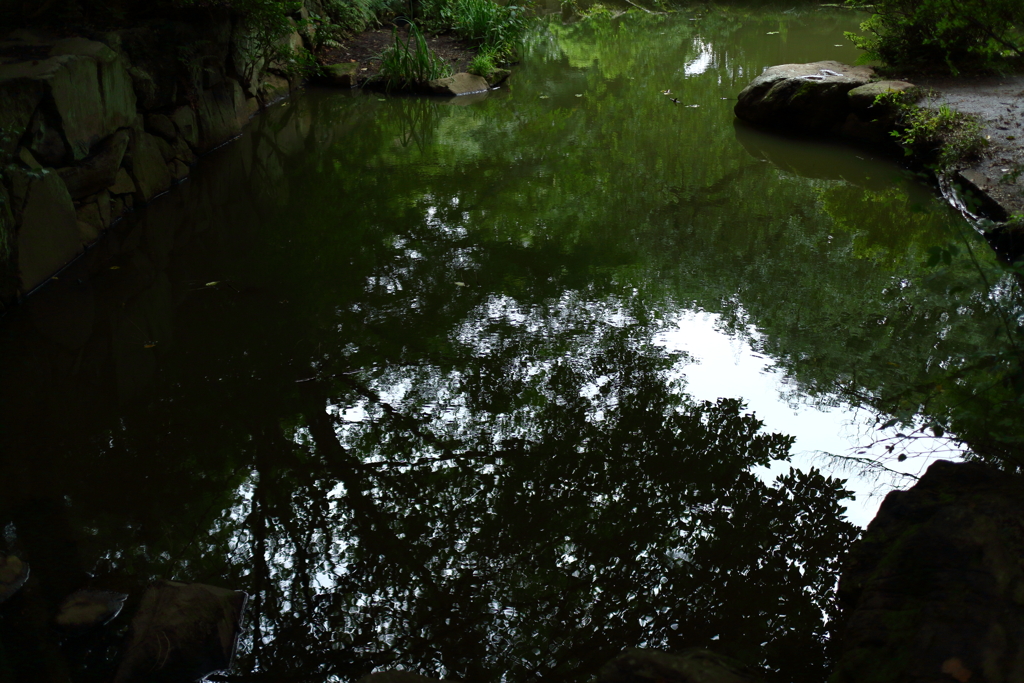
(474, 388)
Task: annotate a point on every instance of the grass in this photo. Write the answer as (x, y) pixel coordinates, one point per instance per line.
(410, 62)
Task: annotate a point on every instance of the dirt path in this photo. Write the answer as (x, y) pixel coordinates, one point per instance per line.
(999, 103)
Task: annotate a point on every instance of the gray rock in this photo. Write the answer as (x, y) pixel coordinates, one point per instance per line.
(181, 632)
(185, 122)
(693, 665)
(459, 84)
(123, 183)
(27, 158)
(147, 167)
(934, 589)
(48, 237)
(146, 91)
(86, 609)
(90, 215)
(809, 97)
(99, 171)
(161, 125)
(45, 139)
(221, 114)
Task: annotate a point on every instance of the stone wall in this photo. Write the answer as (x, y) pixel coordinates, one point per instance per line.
(92, 127)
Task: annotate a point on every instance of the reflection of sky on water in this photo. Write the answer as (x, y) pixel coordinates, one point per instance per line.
(727, 367)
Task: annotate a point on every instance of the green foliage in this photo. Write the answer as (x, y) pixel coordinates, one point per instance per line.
(353, 16)
(498, 28)
(949, 34)
(942, 136)
(411, 62)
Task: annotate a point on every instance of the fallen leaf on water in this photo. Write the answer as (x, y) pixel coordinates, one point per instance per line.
(579, 94)
(213, 284)
(149, 345)
(543, 97)
(460, 284)
(693, 106)
(115, 267)
(773, 33)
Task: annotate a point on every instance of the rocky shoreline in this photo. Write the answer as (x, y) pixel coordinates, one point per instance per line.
(95, 126)
(838, 100)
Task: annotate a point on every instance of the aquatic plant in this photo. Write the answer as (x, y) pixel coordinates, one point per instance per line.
(410, 62)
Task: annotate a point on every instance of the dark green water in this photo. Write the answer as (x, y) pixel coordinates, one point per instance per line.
(408, 371)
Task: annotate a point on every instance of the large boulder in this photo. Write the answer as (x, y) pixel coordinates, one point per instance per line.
(48, 237)
(934, 591)
(809, 97)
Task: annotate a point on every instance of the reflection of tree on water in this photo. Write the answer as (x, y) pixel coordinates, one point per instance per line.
(577, 505)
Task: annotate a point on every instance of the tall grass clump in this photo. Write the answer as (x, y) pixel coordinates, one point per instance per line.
(410, 62)
(496, 29)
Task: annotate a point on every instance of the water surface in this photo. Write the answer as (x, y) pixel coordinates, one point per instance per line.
(441, 385)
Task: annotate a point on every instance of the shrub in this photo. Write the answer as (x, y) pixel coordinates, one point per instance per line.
(941, 136)
(407, 63)
(948, 34)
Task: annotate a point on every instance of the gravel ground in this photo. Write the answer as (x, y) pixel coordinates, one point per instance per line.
(999, 104)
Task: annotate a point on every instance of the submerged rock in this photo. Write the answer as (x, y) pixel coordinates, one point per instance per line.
(181, 632)
(811, 97)
(13, 574)
(459, 84)
(693, 665)
(934, 591)
(87, 609)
